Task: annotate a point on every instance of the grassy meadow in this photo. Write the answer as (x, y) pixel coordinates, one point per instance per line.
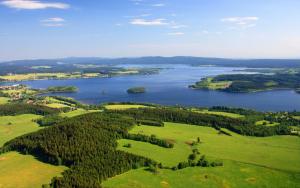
(123, 106)
(37, 76)
(14, 126)
(4, 100)
(248, 161)
(231, 175)
(226, 114)
(266, 123)
(208, 83)
(77, 112)
(24, 171)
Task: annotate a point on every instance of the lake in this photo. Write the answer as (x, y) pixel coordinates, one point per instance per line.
(170, 87)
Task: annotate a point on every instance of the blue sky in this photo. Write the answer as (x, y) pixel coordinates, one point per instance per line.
(31, 29)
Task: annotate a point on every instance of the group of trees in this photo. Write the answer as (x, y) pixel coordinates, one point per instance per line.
(50, 120)
(61, 89)
(150, 139)
(255, 82)
(283, 118)
(21, 108)
(193, 162)
(177, 115)
(87, 144)
(154, 123)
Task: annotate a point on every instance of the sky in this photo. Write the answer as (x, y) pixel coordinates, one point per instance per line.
(33, 29)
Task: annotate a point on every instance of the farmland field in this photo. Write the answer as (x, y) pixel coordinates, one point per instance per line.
(248, 161)
(123, 106)
(13, 126)
(24, 171)
(4, 100)
(227, 114)
(77, 112)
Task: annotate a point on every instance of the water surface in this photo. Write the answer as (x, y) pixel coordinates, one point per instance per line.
(170, 87)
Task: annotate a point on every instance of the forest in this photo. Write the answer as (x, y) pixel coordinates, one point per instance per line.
(243, 83)
(87, 144)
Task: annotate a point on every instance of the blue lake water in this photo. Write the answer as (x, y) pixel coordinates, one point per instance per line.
(170, 87)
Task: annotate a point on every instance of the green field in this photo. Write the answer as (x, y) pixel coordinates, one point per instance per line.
(297, 117)
(123, 106)
(266, 123)
(24, 171)
(13, 126)
(4, 100)
(77, 112)
(208, 83)
(38, 76)
(227, 114)
(56, 105)
(232, 174)
(248, 160)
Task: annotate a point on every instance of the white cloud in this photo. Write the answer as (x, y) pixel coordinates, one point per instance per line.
(53, 22)
(55, 19)
(155, 22)
(176, 34)
(33, 4)
(159, 5)
(241, 22)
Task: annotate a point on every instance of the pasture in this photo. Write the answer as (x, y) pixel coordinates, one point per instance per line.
(77, 112)
(266, 123)
(14, 126)
(231, 175)
(248, 161)
(24, 171)
(123, 106)
(226, 114)
(4, 100)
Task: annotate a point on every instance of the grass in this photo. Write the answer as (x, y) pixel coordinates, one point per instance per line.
(266, 123)
(38, 76)
(14, 126)
(21, 91)
(280, 152)
(227, 114)
(4, 100)
(208, 83)
(77, 112)
(24, 171)
(56, 105)
(124, 106)
(248, 161)
(297, 117)
(232, 174)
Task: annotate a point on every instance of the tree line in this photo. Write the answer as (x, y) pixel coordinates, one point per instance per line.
(177, 115)
(21, 108)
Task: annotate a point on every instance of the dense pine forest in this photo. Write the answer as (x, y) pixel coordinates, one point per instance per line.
(87, 144)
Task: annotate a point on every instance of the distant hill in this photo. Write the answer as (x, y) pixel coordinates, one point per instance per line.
(72, 63)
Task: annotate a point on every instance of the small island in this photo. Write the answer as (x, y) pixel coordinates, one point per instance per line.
(136, 90)
(62, 89)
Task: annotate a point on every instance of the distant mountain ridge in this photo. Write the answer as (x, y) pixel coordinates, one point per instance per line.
(190, 60)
